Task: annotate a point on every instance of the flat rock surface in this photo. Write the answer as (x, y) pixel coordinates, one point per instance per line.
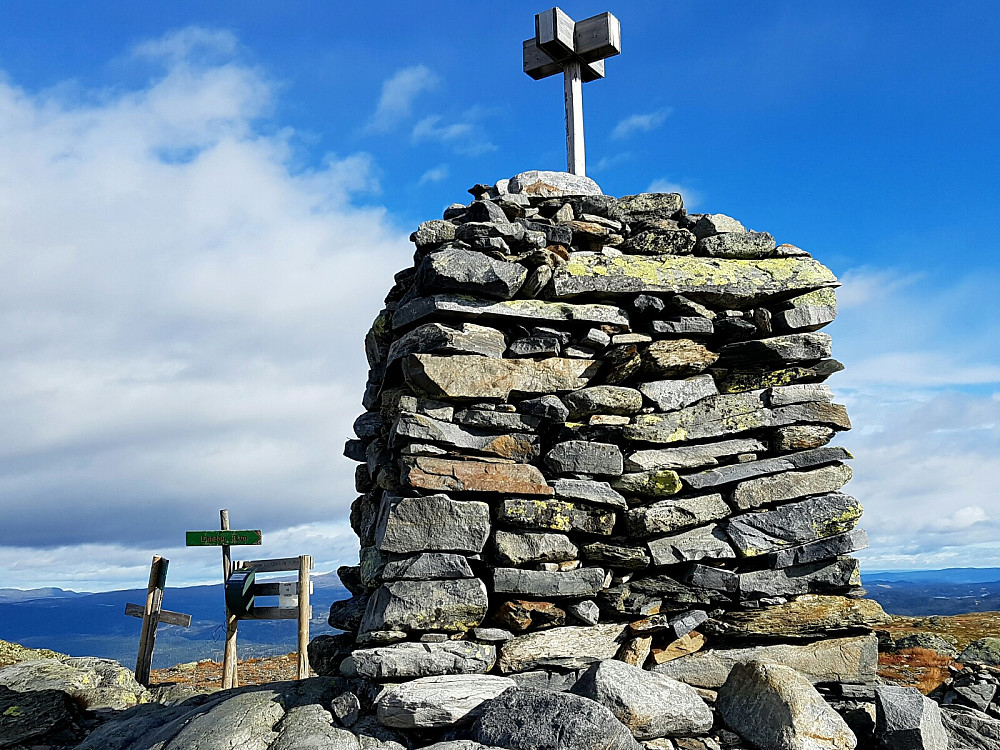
(794, 523)
(741, 283)
(451, 606)
(575, 583)
(454, 475)
(410, 660)
(808, 615)
(569, 647)
(905, 719)
(471, 377)
(462, 307)
(556, 515)
(434, 523)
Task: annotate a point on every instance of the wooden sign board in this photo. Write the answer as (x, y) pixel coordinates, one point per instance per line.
(217, 538)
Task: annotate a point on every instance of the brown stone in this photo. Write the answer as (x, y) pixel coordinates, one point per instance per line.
(809, 615)
(686, 644)
(636, 651)
(679, 358)
(519, 615)
(444, 474)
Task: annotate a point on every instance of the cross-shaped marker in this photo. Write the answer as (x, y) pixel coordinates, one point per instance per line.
(578, 49)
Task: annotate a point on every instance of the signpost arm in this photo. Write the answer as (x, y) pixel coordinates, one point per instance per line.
(229, 676)
(151, 618)
(573, 86)
(305, 564)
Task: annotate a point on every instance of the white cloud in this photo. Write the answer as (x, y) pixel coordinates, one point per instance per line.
(639, 123)
(434, 174)
(692, 198)
(181, 321)
(465, 136)
(398, 95)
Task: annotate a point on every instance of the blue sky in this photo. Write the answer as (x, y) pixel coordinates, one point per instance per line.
(202, 205)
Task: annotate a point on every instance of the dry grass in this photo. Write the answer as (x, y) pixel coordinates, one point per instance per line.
(208, 673)
(915, 667)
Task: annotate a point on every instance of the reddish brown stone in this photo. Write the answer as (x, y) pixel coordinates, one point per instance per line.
(449, 475)
(518, 615)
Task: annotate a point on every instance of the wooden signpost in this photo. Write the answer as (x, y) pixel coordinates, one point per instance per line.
(578, 50)
(242, 588)
(152, 614)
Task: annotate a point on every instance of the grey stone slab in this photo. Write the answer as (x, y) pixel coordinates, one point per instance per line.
(586, 611)
(730, 414)
(719, 281)
(792, 347)
(812, 578)
(460, 338)
(435, 232)
(648, 484)
(310, 727)
(755, 493)
(821, 549)
(438, 702)
(907, 720)
(793, 524)
(434, 523)
(753, 469)
(556, 515)
(451, 606)
(546, 407)
(650, 705)
(707, 225)
(806, 312)
(711, 578)
(412, 660)
(705, 542)
(484, 210)
(518, 446)
(675, 358)
(603, 399)
(519, 548)
(683, 326)
(744, 245)
(801, 437)
(427, 407)
(850, 660)
(583, 457)
(970, 729)
(472, 377)
(570, 647)
(799, 393)
(427, 566)
(691, 456)
(645, 207)
(541, 583)
(498, 420)
(618, 555)
(670, 516)
(669, 395)
(589, 491)
(531, 311)
(773, 706)
(535, 346)
(529, 719)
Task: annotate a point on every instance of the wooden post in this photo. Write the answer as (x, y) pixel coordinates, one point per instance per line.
(305, 611)
(576, 160)
(151, 618)
(230, 679)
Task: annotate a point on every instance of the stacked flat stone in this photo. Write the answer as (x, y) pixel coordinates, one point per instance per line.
(597, 428)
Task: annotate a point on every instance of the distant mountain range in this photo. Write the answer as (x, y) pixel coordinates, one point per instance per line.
(85, 624)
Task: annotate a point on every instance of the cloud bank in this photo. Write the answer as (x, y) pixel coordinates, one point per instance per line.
(181, 319)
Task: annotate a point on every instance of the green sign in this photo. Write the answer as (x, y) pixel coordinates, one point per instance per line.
(219, 538)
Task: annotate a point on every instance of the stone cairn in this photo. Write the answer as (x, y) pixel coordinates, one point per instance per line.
(595, 461)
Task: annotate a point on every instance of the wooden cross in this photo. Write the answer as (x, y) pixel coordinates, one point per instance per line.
(578, 49)
(152, 614)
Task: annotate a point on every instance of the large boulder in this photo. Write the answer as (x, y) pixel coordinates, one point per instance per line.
(528, 719)
(96, 683)
(907, 720)
(982, 651)
(649, 704)
(775, 707)
(409, 660)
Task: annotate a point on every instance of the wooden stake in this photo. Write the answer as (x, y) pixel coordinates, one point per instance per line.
(305, 611)
(230, 679)
(573, 88)
(151, 618)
